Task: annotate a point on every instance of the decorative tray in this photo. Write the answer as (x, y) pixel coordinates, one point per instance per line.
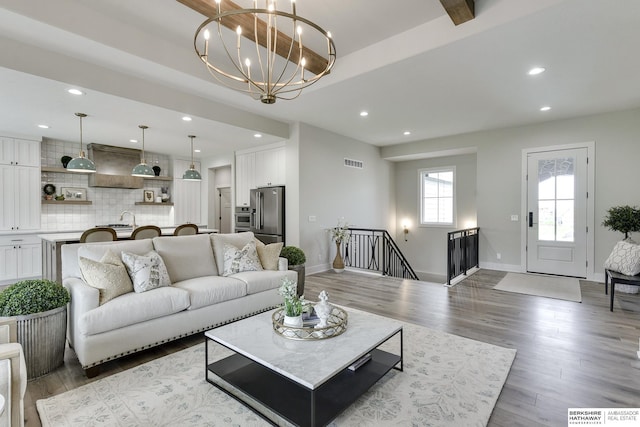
(336, 325)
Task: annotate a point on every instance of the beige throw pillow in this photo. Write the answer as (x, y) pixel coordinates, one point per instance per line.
(147, 272)
(269, 254)
(237, 260)
(108, 275)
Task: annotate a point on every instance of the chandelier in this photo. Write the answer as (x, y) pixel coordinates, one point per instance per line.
(260, 51)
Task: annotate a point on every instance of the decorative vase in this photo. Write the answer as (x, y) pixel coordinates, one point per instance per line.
(293, 321)
(156, 170)
(65, 161)
(164, 197)
(338, 263)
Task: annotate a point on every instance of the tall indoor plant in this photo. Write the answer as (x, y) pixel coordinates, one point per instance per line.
(40, 310)
(296, 259)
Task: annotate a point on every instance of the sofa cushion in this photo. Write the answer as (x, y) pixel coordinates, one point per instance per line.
(132, 308)
(269, 254)
(146, 271)
(95, 251)
(625, 258)
(259, 281)
(237, 260)
(209, 290)
(235, 239)
(108, 275)
(186, 257)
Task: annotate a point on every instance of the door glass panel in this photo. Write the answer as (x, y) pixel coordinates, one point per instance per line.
(556, 194)
(546, 220)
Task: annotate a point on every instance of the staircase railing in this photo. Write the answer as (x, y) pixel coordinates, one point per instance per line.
(375, 250)
(462, 252)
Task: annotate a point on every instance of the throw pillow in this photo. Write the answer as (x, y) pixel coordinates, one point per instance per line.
(625, 258)
(146, 271)
(269, 254)
(108, 275)
(237, 260)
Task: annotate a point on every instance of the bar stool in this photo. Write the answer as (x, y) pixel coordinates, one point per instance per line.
(99, 234)
(185, 229)
(146, 232)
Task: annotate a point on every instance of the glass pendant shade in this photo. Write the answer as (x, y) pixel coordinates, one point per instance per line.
(192, 174)
(81, 163)
(142, 169)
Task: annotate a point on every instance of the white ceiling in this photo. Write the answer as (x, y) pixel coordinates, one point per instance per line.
(404, 62)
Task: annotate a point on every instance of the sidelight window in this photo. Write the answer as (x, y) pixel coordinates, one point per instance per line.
(437, 196)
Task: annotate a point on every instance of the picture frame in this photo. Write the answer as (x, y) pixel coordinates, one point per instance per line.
(147, 196)
(74, 193)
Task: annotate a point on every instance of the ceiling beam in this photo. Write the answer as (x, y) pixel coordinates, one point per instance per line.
(315, 63)
(460, 11)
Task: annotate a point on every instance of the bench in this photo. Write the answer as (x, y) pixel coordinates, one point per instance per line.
(620, 278)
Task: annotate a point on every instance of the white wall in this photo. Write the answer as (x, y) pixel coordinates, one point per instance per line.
(426, 247)
(499, 172)
(328, 190)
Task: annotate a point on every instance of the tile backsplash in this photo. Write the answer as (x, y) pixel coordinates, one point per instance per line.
(107, 203)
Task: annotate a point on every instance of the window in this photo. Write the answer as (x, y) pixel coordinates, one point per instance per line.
(437, 195)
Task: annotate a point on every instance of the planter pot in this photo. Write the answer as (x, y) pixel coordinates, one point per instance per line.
(301, 275)
(43, 337)
(293, 321)
(338, 263)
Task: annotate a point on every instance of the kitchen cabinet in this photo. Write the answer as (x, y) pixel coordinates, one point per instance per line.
(186, 195)
(20, 257)
(20, 152)
(263, 167)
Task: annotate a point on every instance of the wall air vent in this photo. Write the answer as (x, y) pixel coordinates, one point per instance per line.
(350, 163)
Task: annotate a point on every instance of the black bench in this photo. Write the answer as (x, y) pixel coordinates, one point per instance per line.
(620, 278)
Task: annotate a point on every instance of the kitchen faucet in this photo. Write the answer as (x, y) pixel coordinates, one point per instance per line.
(133, 223)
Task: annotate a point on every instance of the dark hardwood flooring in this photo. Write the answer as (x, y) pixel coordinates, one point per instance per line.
(569, 354)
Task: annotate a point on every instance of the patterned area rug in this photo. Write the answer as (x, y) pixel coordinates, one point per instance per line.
(447, 381)
(566, 288)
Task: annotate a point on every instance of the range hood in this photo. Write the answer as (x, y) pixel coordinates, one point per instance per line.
(113, 166)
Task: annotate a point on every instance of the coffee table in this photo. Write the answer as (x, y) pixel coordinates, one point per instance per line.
(307, 383)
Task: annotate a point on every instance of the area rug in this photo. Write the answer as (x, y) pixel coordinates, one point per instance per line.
(565, 288)
(447, 381)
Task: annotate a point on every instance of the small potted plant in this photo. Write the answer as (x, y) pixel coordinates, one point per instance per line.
(40, 310)
(294, 304)
(624, 219)
(296, 258)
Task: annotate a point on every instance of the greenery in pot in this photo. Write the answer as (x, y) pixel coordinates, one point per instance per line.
(625, 219)
(294, 255)
(32, 296)
(293, 304)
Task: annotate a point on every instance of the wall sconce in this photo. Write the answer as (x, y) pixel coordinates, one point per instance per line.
(405, 226)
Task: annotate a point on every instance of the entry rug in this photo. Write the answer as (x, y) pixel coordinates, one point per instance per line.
(447, 381)
(566, 288)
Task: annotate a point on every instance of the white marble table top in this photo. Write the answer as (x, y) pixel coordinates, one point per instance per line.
(309, 363)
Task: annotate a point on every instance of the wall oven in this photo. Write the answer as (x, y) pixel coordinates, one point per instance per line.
(243, 218)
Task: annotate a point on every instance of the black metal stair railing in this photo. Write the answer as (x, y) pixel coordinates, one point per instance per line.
(375, 250)
(462, 252)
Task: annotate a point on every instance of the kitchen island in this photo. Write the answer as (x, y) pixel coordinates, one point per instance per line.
(51, 243)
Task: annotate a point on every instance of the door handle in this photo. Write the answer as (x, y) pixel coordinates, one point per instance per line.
(530, 219)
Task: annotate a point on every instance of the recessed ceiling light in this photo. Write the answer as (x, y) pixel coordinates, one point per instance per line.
(187, 118)
(364, 113)
(133, 140)
(75, 92)
(257, 135)
(406, 133)
(536, 70)
(43, 126)
(196, 151)
(545, 108)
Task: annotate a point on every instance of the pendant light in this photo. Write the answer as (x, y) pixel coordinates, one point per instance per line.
(81, 163)
(192, 174)
(142, 170)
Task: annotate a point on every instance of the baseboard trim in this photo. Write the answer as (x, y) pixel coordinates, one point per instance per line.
(320, 268)
(512, 268)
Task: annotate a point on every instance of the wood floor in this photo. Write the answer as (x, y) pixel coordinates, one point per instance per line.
(569, 354)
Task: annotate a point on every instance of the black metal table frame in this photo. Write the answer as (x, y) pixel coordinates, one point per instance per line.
(292, 401)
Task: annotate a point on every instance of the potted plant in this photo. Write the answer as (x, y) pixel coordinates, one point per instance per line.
(340, 233)
(40, 309)
(296, 258)
(293, 303)
(625, 219)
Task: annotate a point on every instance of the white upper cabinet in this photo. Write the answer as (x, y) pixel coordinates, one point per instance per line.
(264, 167)
(20, 152)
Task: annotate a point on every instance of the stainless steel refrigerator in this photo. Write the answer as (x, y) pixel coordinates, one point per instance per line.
(267, 214)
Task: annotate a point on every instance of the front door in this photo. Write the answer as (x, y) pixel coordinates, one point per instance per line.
(557, 212)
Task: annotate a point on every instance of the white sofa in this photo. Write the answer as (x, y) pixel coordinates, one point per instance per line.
(197, 300)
